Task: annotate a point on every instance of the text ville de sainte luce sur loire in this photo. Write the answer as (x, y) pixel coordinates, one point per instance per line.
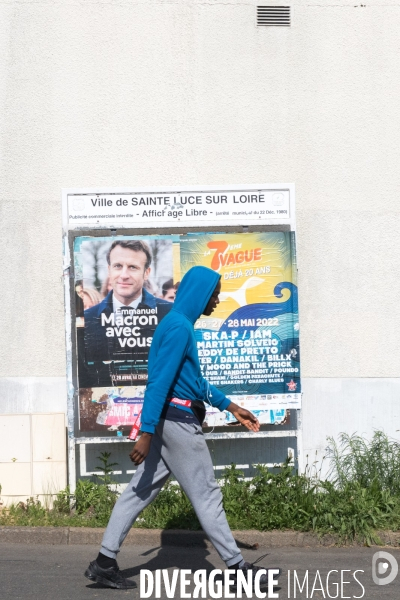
(169, 204)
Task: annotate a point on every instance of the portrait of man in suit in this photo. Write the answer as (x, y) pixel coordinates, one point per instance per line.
(121, 327)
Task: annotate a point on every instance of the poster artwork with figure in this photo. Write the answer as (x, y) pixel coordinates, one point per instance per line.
(249, 348)
(122, 283)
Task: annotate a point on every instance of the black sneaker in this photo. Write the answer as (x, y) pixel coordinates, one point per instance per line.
(110, 577)
(263, 581)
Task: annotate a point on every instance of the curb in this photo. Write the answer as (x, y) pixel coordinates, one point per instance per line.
(249, 539)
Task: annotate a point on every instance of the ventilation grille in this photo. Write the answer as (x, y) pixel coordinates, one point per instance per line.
(273, 16)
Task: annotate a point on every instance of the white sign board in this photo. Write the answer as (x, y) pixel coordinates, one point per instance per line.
(179, 207)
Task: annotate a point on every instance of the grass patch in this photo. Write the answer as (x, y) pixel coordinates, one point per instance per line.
(361, 495)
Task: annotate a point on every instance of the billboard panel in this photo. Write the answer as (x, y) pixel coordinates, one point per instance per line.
(249, 348)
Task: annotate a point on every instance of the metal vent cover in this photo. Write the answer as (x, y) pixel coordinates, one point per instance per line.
(273, 16)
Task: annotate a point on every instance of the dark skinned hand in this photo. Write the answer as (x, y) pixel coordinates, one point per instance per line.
(141, 448)
(245, 417)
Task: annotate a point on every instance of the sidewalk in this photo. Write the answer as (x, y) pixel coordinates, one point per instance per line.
(158, 537)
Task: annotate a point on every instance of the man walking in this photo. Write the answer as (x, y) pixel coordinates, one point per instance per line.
(172, 440)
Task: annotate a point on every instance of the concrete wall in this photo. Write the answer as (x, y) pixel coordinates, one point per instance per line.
(160, 93)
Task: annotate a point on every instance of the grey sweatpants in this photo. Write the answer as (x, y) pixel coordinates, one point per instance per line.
(178, 448)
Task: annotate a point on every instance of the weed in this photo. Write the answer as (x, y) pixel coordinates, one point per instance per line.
(95, 500)
(106, 469)
(92, 500)
(62, 503)
(361, 496)
(377, 462)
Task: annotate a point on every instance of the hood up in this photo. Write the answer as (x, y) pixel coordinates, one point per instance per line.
(195, 291)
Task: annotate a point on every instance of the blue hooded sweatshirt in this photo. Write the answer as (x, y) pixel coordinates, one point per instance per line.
(174, 368)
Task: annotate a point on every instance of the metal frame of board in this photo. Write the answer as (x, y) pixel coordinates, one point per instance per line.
(131, 225)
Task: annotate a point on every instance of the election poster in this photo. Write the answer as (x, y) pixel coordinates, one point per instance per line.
(123, 288)
(248, 348)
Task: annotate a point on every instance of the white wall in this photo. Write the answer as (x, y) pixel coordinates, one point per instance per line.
(188, 92)
(32, 456)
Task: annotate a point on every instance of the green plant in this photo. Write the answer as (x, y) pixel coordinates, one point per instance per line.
(91, 499)
(106, 469)
(62, 503)
(361, 497)
(375, 462)
(170, 510)
(24, 513)
(95, 500)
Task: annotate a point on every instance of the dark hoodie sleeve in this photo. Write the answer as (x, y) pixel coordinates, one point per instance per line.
(170, 355)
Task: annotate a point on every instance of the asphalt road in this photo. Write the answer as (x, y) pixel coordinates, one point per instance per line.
(56, 572)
